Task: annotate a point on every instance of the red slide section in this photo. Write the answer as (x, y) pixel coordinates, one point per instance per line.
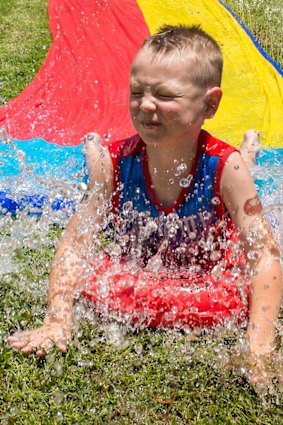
(83, 84)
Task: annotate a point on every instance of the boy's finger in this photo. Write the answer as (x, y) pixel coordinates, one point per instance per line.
(28, 348)
(62, 343)
(12, 338)
(44, 347)
(20, 336)
(17, 344)
(62, 347)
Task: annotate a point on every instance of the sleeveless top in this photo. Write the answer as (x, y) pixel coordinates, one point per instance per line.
(191, 235)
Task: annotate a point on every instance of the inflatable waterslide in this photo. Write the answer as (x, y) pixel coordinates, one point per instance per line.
(82, 87)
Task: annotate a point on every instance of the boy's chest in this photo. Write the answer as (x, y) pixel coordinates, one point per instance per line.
(167, 191)
(168, 183)
(186, 195)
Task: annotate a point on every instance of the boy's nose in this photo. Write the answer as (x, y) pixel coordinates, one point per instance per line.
(147, 104)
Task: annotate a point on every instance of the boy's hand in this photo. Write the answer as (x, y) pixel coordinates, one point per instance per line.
(263, 370)
(260, 370)
(41, 340)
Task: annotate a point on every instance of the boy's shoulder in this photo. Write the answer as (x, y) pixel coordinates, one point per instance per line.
(126, 147)
(209, 144)
(215, 147)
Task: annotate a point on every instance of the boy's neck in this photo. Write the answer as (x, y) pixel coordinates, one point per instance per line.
(167, 166)
(168, 158)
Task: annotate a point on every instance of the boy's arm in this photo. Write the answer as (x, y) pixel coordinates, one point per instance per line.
(70, 263)
(262, 254)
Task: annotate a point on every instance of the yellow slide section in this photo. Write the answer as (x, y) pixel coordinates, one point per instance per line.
(252, 86)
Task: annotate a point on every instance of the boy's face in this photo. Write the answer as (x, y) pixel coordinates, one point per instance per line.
(165, 106)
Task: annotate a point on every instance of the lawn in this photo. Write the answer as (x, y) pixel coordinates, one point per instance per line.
(108, 375)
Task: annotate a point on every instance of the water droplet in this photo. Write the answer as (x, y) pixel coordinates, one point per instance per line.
(58, 397)
(172, 232)
(180, 169)
(83, 186)
(59, 416)
(215, 200)
(185, 182)
(235, 271)
(253, 255)
(138, 349)
(58, 368)
(215, 255)
(127, 207)
(120, 186)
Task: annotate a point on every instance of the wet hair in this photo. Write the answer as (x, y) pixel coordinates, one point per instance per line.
(196, 44)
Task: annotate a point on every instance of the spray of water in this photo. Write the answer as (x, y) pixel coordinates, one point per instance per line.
(27, 233)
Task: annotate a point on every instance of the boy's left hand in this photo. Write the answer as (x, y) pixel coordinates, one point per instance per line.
(260, 369)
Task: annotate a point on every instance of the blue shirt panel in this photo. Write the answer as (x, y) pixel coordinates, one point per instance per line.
(199, 198)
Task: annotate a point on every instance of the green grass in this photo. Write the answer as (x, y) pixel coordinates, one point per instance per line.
(264, 20)
(24, 41)
(150, 377)
(25, 37)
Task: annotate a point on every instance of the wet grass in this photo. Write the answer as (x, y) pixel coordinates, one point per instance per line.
(113, 377)
(144, 378)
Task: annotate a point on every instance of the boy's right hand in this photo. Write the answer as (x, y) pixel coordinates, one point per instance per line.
(41, 340)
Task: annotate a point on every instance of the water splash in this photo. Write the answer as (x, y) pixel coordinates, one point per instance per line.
(28, 236)
(32, 177)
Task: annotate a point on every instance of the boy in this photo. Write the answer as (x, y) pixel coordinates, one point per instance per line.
(176, 195)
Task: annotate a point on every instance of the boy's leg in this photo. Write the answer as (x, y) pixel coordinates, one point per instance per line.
(250, 147)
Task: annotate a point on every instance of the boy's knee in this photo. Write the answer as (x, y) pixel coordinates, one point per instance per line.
(91, 141)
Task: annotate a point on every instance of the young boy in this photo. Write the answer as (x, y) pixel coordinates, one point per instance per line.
(170, 199)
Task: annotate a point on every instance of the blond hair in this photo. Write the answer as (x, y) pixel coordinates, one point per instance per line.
(192, 41)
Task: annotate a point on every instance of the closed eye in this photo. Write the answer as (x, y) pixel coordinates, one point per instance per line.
(136, 93)
(165, 96)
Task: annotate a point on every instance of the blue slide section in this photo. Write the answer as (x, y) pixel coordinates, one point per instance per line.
(32, 170)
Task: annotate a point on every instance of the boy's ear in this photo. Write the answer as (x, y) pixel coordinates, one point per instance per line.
(213, 97)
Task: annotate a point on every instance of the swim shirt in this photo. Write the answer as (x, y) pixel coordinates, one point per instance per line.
(192, 234)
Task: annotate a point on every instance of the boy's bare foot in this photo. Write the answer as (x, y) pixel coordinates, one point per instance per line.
(250, 147)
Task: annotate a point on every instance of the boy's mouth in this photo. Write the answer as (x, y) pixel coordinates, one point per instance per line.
(150, 124)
